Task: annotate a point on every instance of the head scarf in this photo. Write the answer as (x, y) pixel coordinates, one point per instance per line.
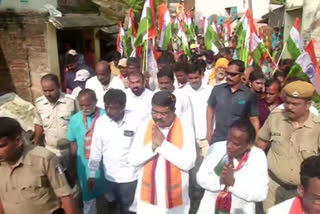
(221, 63)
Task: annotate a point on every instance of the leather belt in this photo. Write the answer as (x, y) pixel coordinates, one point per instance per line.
(277, 180)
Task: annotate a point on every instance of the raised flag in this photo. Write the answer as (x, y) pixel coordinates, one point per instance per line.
(294, 42)
(152, 66)
(211, 38)
(307, 63)
(165, 29)
(204, 26)
(131, 32)
(146, 29)
(121, 41)
(227, 33)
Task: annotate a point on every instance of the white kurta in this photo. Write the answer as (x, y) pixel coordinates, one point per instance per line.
(94, 84)
(282, 208)
(199, 99)
(184, 159)
(139, 105)
(251, 181)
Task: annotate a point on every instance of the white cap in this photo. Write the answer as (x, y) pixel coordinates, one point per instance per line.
(82, 75)
(72, 52)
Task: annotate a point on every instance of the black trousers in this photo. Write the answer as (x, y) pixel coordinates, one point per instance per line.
(195, 190)
(124, 194)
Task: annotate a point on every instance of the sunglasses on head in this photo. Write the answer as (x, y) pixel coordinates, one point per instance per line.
(232, 74)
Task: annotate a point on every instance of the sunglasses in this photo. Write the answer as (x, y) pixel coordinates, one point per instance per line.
(232, 74)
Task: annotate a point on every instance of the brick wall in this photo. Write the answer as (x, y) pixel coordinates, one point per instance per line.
(23, 53)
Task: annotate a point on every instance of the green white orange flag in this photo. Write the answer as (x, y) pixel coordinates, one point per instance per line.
(165, 28)
(211, 37)
(227, 33)
(131, 32)
(241, 31)
(146, 29)
(307, 63)
(121, 41)
(294, 42)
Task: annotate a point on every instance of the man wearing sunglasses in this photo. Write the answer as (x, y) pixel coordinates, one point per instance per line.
(308, 199)
(230, 102)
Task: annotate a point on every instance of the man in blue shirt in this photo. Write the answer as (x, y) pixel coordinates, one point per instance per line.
(80, 132)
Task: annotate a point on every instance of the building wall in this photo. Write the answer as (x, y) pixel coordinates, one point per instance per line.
(209, 7)
(19, 5)
(23, 44)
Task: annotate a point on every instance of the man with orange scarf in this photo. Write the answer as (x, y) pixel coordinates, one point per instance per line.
(164, 148)
(308, 199)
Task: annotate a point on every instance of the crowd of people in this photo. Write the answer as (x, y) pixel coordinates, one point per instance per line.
(211, 136)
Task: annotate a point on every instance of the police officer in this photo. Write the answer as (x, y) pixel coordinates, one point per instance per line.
(32, 180)
(293, 135)
(52, 114)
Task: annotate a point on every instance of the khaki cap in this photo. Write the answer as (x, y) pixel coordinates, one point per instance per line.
(299, 89)
(122, 63)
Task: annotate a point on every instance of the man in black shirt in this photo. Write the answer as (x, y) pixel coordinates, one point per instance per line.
(230, 102)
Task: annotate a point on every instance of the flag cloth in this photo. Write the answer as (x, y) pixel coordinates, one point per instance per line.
(295, 41)
(204, 26)
(257, 49)
(212, 41)
(146, 29)
(152, 66)
(121, 41)
(165, 29)
(131, 32)
(227, 33)
(307, 63)
(241, 31)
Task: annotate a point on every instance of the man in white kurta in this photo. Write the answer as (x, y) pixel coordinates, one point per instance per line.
(138, 97)
(103, 81)
(250, 182)
(183, 158)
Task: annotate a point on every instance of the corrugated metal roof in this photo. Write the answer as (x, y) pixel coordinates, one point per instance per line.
(80, 21)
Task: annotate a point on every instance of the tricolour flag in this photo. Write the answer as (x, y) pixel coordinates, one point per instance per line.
(211, 39)
(146, 29)
(307, 63)
(294, 42)
(165, 30)
(131, 32)
(241, 31)
(121, 41)
(204, 26)
(227, 33)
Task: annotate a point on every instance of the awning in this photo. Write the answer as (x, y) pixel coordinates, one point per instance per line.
(70, 21)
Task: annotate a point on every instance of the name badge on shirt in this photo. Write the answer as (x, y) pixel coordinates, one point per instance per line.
(242, 102)
(128, 133)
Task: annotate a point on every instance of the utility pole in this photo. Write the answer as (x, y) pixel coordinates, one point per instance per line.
(250, 6)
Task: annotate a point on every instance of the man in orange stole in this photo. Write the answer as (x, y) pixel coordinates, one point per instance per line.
(164, 148)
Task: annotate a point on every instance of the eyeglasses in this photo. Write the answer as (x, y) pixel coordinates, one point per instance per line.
(162, 114)
(233, 74)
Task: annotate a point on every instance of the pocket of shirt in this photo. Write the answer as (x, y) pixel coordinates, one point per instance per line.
(64, 119)
(276, 146)
(307, 149)
(33, 189)
(45, 120)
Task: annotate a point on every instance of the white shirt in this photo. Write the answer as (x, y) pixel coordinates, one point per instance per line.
(94, 84)
(207, 72)
(312, 109)
(251, 181)
(139, 105)
(111, 142)
(199, 99)
(184, 159)
(283, 208)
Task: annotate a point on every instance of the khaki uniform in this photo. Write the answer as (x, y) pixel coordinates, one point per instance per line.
(289, 147)
(54, 118)
(34, 184)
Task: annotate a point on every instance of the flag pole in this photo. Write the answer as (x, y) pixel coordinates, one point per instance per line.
(284, 47)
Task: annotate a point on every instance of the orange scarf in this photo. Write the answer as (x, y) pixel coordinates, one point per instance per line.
(173, 174)
(296, 207)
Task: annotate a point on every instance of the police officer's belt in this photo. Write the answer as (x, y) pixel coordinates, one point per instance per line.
(277, 180)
